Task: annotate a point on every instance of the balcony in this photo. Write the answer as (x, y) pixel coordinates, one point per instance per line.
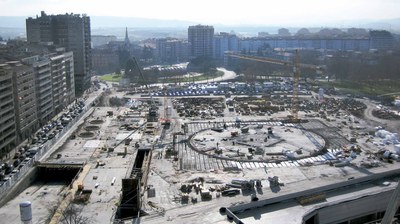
(6, 125)
(6, 100)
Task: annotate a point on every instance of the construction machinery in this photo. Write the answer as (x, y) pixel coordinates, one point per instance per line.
(296, 75)
(166, 121)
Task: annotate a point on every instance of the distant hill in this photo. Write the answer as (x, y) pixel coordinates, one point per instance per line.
(112, 21)
(389, 24)
(104, 21)
(14, 26)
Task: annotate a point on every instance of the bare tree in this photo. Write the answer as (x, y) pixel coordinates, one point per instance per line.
(73, 215)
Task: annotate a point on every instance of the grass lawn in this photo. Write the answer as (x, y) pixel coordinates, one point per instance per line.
(376, 87)
(113, 77)
(202, 77)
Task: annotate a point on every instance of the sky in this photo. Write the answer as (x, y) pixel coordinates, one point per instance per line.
(225, 12)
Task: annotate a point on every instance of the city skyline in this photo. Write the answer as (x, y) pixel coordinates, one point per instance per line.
(254, 12)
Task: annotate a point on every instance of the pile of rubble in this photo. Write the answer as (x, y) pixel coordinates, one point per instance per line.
(256, 106)
(386, 114)
(205, 108)
(334, 105)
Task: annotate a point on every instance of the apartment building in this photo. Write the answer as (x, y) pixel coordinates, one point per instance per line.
(8, 131)
(71, 31)
(200, 41)
(24, 100)
(171, 50)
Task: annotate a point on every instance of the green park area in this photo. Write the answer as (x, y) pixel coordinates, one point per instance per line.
(372, 88)
(113, 77)
(206, 76)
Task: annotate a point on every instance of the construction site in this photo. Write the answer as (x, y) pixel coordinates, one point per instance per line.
(283, 154)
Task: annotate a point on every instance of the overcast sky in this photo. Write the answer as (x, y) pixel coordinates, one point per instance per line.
(228, 12)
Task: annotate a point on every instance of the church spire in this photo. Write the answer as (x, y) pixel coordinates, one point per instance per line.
(126, 36)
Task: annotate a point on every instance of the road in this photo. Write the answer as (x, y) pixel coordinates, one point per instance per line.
(227, 76)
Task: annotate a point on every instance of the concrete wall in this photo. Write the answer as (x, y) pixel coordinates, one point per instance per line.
(20, 186)
(292, 196)
(353, 209)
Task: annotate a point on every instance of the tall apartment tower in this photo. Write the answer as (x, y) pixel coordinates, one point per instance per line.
(71, 31)
(200, 41)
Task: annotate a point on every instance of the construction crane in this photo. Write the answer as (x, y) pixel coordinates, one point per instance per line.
(296, 75)
(296, 80)
(152, 117)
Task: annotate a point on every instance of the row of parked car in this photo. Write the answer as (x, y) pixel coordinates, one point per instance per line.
(50, 130)
(189, 93)
(47, 132)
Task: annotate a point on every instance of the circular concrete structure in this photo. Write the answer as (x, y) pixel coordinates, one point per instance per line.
(97, 121)
(257, 143)
(87, 134)
(92, 128)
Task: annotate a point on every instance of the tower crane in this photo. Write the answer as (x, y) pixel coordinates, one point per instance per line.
(152, 117)
(296, 75)
(296, 80)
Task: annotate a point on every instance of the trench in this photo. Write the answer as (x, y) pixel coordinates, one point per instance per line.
(54, 174)
(130, 201)
(62, 174)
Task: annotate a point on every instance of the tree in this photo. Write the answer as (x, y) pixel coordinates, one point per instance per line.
(202, 64)
(303, 32)
(73, 215)
(123, 56)
(339, 66)
(131, 69)
(260, 52)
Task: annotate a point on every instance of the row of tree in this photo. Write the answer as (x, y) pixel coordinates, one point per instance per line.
(376, 67)
(341, 65)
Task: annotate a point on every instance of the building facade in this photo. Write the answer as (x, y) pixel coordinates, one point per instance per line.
(171, 50)
(42, 70)
(381, 40)
(200, 40)
(341, 44)
(58, 83)
(71, 31)
(105, 61)
(54, 82)
(40, 80)
(224, 42)
(24, 100)
(8, 129)
(99, 40)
